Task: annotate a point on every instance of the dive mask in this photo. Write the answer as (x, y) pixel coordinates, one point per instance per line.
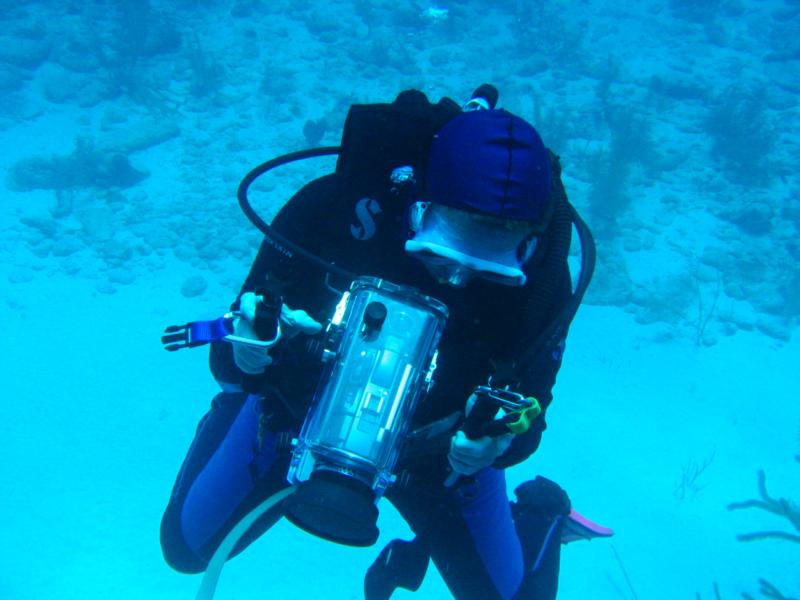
(456, 245)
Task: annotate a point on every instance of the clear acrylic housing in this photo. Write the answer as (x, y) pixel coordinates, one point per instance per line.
(375, 378)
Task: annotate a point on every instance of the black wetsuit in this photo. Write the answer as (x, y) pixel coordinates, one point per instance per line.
(488, 322)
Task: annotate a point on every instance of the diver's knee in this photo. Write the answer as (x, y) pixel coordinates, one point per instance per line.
(174, 548)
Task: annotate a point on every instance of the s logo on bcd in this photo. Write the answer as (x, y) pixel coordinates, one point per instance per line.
(366, 209)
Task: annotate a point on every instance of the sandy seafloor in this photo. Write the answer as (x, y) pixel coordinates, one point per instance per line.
(96, 417)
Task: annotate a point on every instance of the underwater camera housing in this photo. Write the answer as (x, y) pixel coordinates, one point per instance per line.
(380, 349)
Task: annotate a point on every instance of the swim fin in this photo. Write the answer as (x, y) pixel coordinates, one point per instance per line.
(400, 564)
(544, 520)
(577, 527)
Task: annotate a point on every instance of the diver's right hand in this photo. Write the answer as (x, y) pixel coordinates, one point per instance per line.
(254, 359)
(250, 359)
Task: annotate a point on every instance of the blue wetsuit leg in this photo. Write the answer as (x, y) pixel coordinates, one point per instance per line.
(470, 532)
(229, 469)
(487, 513)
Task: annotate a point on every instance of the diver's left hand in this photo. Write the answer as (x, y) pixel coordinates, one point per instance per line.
(467, 456)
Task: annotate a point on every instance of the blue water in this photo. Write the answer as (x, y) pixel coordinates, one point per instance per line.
(125, 128)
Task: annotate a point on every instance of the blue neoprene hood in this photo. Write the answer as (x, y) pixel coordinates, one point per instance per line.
(491, 162)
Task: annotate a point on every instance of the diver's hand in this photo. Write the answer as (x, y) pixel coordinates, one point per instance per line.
(467, 456)
(250, 359)
(254, 359)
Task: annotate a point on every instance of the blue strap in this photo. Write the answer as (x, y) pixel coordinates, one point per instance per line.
(197, 333)
(546, 543)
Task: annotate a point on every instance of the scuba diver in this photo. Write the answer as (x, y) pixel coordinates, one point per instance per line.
(449, 229)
